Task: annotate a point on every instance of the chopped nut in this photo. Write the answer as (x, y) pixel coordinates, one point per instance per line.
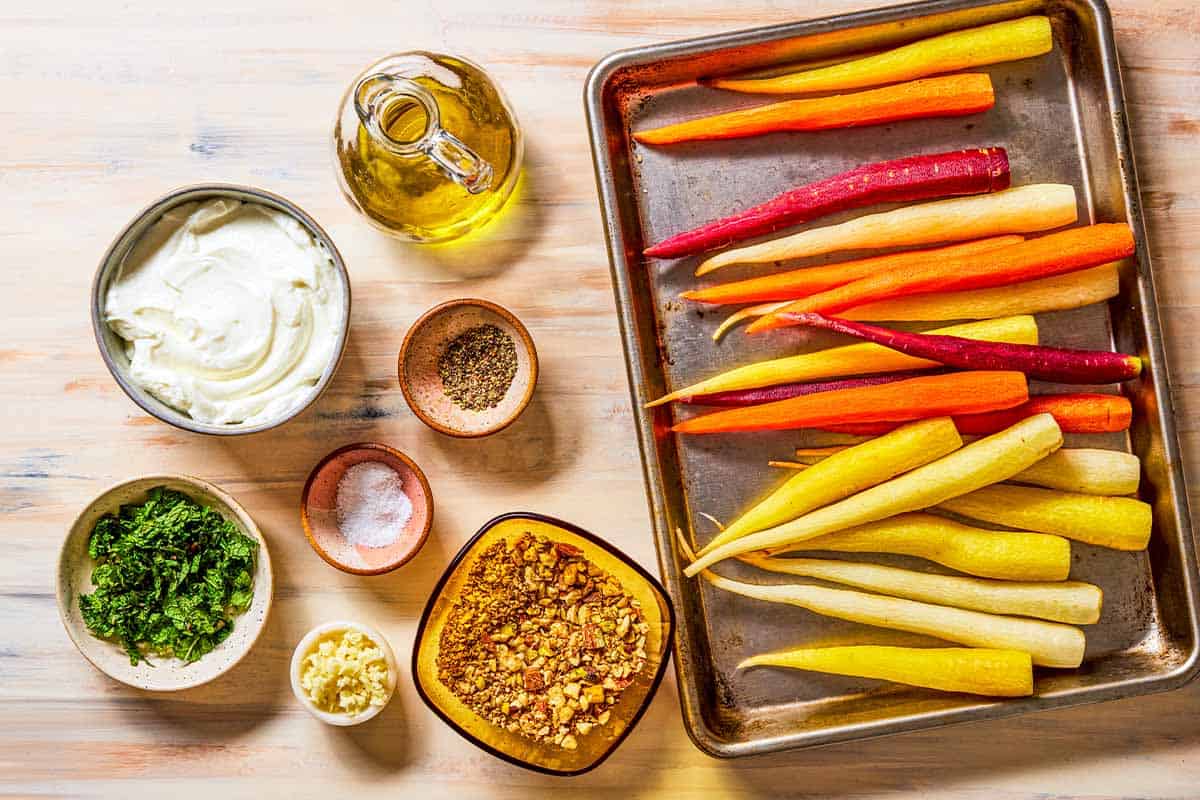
(541, 642)
(533, 679)
(594, 694)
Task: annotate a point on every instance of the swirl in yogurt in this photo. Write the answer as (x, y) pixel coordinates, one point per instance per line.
(230, 311)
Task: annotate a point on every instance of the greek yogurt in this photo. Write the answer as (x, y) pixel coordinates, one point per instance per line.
(230, 311)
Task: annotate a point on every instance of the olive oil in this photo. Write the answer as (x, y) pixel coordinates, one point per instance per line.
(427, 147)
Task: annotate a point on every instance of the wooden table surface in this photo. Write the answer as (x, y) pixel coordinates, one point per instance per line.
(107, 105)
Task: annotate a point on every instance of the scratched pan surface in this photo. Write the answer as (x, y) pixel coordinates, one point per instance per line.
(1062, 119)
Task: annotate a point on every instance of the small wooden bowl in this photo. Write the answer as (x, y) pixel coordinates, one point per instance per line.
(417, 368)
(318, 511)
(158, 674)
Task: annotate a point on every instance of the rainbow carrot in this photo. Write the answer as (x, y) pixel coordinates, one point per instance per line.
(1056, 293)
(797, 283)
(852, 359)
(1052, 254)
(1063, 365)
(972, 670)
(784, 391)
(1074, 413)
(1010, 40)
(947, 96)
(1023, 209)
(924, 177)
(915, 398)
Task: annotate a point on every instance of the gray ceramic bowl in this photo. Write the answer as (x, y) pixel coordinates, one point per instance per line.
(112, 347)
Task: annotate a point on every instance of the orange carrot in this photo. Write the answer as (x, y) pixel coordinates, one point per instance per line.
(1053, 254)
(797, 283)
(946, 96)
(1075, 413)
(916, 398)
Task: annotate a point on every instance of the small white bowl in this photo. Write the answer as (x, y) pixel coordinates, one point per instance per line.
(305, 647)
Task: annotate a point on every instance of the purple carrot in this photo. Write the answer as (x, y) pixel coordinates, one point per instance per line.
(1062, 365)
(961, 172)
(783, 391)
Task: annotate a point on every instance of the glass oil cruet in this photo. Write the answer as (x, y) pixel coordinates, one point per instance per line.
(427, 146)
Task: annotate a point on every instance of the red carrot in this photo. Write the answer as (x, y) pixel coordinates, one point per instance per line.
(797, 283)
(944, 96)
(1059, 364)
(1075, 413)
(915, 398)
(1053, 254)
(959, 172)
(784, 391)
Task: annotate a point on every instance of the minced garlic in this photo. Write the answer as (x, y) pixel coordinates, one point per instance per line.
(345, 673)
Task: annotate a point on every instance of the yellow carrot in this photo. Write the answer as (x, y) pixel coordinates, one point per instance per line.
(1024, 209)
(981, 463)
(997, 673)
(1063, 601)
(1078, 469)
(1056, 293)
(1121, 523)
(974, 47)
(847, 472)
(1005, 555)
(854, 359)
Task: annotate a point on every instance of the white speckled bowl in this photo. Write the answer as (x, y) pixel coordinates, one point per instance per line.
(75, 573)
(306, 645)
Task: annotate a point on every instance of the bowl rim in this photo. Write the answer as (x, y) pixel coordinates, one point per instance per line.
(307, 526)
(243, 520)
(453, 566)
(305, 645)
(158, 207)
(441, 308)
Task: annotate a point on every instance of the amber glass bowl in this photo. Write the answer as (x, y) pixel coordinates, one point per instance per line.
(598, 744)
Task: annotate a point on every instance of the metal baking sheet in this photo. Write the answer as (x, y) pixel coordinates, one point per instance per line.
(1062, 118)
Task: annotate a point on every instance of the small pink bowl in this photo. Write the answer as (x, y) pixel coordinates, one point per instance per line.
(318, 512)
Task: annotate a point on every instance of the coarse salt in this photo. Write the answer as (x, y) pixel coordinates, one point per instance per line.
(372, 508)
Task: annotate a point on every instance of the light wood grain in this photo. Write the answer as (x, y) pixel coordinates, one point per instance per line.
(107, 105)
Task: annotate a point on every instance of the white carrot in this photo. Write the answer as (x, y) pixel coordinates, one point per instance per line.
(1051, 644)
(1066, 601)
(1025, 209)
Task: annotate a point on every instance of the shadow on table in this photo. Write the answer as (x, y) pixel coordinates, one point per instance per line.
(528, 452)
(485, 252)
(381, 745)
(982, 754)
(231, 706)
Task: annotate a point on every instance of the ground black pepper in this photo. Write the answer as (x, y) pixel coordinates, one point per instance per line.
(478, 367)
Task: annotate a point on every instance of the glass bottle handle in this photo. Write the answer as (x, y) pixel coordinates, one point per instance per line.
(458, 161)
(376, 93)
